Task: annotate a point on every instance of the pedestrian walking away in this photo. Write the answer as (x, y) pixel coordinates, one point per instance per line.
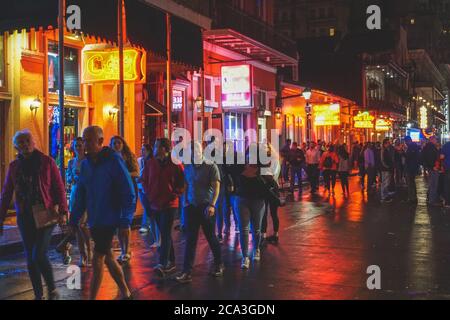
(328, 164)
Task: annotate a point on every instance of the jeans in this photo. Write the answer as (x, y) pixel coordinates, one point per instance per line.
(433, 186)
(313, 176)
(274, 214)
(296, 172)
(149, 218)
(223, 212)
(250, 210)
(36, 243)
(343, 176)
(181, 210)
(371, 175)
(329, 178)
(164, 219)
(285, 171)
(412, 190)
(386, 177)
(195, 217)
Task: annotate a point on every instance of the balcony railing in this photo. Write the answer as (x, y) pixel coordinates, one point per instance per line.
(226, 16)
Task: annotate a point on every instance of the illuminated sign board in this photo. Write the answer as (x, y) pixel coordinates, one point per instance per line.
(382, 125)
(415, 136)
(103, 65)
(236, 86)
(177, 100)
(423, 117)
(363, 120)
(327, 115)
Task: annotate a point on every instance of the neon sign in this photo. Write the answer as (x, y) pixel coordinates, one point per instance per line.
(177, 100)
(423, 117)
(327, 115)
(236, 87)
(382, 125)
(363, 120)
(103, 65)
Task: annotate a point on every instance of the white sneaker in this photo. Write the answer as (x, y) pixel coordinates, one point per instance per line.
(257, 255)
(245, 263)
(143, 230)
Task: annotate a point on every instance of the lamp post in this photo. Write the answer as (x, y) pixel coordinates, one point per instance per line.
(307, 95)
(199, 105)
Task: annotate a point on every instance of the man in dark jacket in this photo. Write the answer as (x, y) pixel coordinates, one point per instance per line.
(412, 168)
(297, 162)
(430, 154)
(106, 192)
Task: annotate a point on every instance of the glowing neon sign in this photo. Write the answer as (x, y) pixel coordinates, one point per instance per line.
(363, 120)
(236, 86)
(327, 115)
(423, 117)
(382, 125)
(103, 65)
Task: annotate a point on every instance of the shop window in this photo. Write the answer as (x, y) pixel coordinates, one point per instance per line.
(71, 70)
(2, 64)
(70, 132)
(234, 129)
(332, 32)
(208, 89)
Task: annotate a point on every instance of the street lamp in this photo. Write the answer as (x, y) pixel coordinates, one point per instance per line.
(198, 103)
(113, 112)
(307, 93)
(278, 113)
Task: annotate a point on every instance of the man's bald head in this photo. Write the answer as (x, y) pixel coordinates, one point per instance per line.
(93, 139)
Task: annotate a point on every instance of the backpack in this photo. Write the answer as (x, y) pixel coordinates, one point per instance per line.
(328, 162)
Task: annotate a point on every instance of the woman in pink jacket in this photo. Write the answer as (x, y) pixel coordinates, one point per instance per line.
(34, 179)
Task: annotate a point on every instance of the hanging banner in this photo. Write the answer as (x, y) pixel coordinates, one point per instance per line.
(327, 115)
(363, 120)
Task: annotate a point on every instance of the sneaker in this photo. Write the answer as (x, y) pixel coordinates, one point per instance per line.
(170, 268)
(217, 270)
(159, 270)
(236, 230)
(184, 278)
(125, 258)
(386, 200)
(257, 255)
(245, 263)
(143, 230)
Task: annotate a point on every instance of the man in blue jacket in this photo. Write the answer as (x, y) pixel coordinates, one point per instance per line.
(106, 192)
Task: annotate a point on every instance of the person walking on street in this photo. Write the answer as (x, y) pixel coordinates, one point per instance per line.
(284, 152)
(430, 155)
(369, 166)
(412, 168)
(312, 166)
(34, 179)
(328, 164)
(72, 175)
(105, 190)
(344, 168)
(163, 183)
(387, 170)
(399, 169)
(202, 192)
(297, 162)
(148, 219)
(119, 145)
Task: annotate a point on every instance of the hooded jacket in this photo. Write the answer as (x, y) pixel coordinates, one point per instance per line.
(105, 191)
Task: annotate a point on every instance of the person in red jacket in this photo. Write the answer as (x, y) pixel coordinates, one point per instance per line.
(35, 180)
(328, 164)
(163, 183)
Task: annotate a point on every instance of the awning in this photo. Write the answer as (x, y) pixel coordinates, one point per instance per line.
(146, 25)
(235, 41)
(153, 108)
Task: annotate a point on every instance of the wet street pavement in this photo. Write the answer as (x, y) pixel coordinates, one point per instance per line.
(325, 247)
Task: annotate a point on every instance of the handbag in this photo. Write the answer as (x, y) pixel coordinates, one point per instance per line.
(44, 217)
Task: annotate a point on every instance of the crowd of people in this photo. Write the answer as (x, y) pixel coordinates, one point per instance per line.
(107, 181)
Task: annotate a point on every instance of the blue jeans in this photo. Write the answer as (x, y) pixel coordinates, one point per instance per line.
(195, 217)
(223, 212)
(250, 210)
(296, 172)
(433, 185)
(149, 219)
(181, 210)
(164, 219)
(36, 243)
